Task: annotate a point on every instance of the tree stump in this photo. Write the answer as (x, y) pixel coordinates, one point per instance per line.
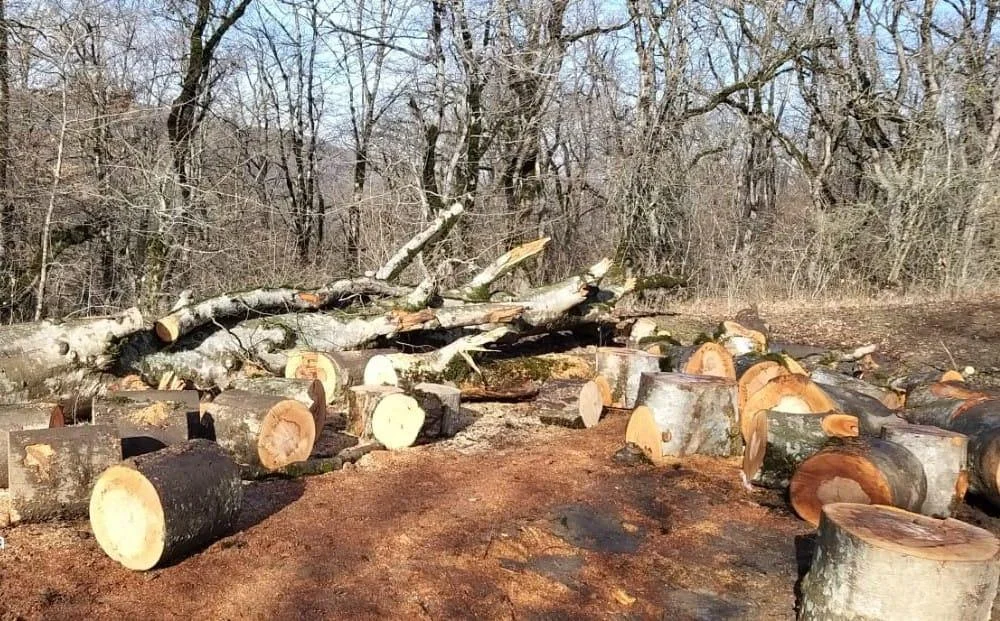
(155, 508)
(261, 430)
(26, 416)
(149, 420)
(337, 371)
(621, 368)
(862, 470)
(442, 409)
(871, 413)
(780, 441)
(680, 414)
(384, 414)
(573, 403)
(705, 359)
(786, 393)
(308, 392)
(885, 564)
(52, 471)
(944, 455)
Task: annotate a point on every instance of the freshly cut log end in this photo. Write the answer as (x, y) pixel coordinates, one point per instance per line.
(380, 371)
(944, 455)
(692, 413)
(786, 393)
(27, 416)
(878, 562)
(570, 403)
(863, 471)
(621, 368)
(706, 359)
(605, 388)
(397, 421)
(317, 366)
(158, 507)
(261, 430)
(287, 435)
(643, 432)
(308, 392)
(168, 329)
(739, 340)
(951, 376)
(756, 377)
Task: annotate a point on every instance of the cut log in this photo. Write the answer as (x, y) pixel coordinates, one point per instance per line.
(437, 229)
(861, 470)
(261, 430)
(828, 377)
(940, 412)
(885, 564)
(644, 328)
(407, 369)
(149, 420)
(621, 369)
(691, 414)
(871, 413)
(780, 441)
(705, 359)
(739, 340)
(981, 423)
(308, 392)
(337, 371)
(937, 392)
(907, 383)
(944, 455)
(478, 288)
(573, 403)
(51, 471)
(159, 507)
(442, 409)
(756, 377)
(384, 414)
(785, 393)
(25, 416)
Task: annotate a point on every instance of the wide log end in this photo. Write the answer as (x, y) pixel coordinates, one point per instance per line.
(167, 329)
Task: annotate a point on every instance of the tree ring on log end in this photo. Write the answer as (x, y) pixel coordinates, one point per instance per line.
(397, 420)
(756, 446)
(167, 329)
(318, 366)
(287, 434)
(605, 387)
(757, 376)
(710, 359)
(827, 478)
(591, 403)
(127, 518)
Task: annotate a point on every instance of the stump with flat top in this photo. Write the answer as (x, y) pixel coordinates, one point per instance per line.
(680, 414)
(621, 367)
(785, 393)
(25, 416)
(158, 507)
(780, 441)
(877, 563)
(573, 403)
(308, 392)
(859, 470)
(442, 408)
(261, 430)
(385, 414)
(149, 420)
(944, 455)
(52, 471)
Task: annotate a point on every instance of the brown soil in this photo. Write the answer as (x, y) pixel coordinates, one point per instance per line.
(509, 520)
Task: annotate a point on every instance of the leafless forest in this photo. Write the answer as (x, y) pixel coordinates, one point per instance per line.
(756, 148)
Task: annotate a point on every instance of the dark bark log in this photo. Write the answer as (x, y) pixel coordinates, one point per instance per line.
(871, 413)
(828, 377)
(573, 403)
(261, 430)
(442, 408)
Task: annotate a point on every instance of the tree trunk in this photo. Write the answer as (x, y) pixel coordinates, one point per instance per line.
(148, 421)
(436, 230)
(159, 507)
(981, 423)
(621, 368)
(21, 417)
(309, 393)
(862, 470)
(689, 414)
(573, 403)
(52, 471)
(944, 455)
(261, 430)
(934, 393)
(384, 414)
(785, 393)
(885, 564)
(780, 441)
(408, 369)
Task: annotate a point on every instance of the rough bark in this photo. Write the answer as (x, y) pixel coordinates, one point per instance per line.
(981, 423)
(828, 377)
(309, 393)
(187, 495)
(860, 470)
(26, 416)
(871, 413)
(885, 564)
(442, 408)
(148, 421)
(622, 368)
(936, 392)
(573, 403)
(261, 430)
(944, 455)
(407, 369)
(52, 471)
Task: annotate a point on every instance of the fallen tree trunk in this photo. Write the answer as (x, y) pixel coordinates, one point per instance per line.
(309, 393)
(679, 414)
(337, 371)
(576, 404)
(828, 377)
(148, 421)
(944, 455)
(261, 430)
(780, 441)
(384, 414)
(155, 508)
(871, 413)
(861, 470)
(478, 287)
(885, 563)
(622, 368)
(935, 393)
(785, 393)
(21, 417)
(399, 369)
(437, 229)
(51, 471)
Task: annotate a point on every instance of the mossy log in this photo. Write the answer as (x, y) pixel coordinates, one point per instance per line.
(261, 430)
(885, 564)
(621, 368)
(860, 470)
(51, 471)
(149, 420)
(308, 392)
(25, 416)
(944, 456)
(573, 403)
(159, 507)
(780, 441)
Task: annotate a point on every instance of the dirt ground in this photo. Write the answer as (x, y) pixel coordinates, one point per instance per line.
(509, 520)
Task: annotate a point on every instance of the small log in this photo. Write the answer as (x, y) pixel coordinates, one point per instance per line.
(152, 509)
(780, 441)
(828, 377)
(308, 392)
(261, 430)
(621, 369)
(935, 393)
(149, 420)
(573, 403)
(52, 471)
(25, 416)
(338, 371)
(384, 414)
(862, 470)
(887, 564)
(940, 412)
(705, 359)
(907, 383)
(478, 287)
(756, 377)
(785, 393)
(871, 413)
(689, 414)
(442, 408)
(944, 455)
